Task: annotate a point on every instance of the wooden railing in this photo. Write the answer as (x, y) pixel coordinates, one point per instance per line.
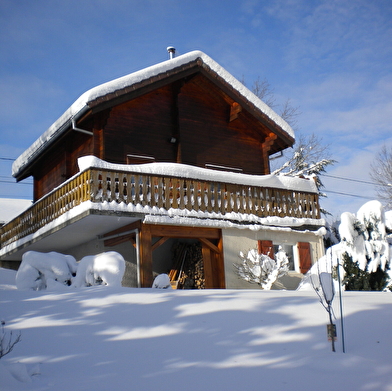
(160, 191)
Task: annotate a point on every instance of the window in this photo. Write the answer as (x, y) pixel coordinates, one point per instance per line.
(289, 250)
(299, 254)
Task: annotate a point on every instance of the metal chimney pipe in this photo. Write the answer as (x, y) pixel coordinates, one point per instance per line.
(172, 52)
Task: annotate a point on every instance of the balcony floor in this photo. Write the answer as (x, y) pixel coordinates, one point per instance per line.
(73, 232)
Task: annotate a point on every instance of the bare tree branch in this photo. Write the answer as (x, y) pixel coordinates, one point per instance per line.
(7, 341)
(381, 173)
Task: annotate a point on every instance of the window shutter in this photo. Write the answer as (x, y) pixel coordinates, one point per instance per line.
(266, 247)
(305, 259)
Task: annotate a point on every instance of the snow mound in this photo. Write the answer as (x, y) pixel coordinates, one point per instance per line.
(103, 269)
(55, 271)
(40, 271)
(7, 280)
(161, 281)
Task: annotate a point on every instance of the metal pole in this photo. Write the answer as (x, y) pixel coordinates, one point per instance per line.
(341, 306)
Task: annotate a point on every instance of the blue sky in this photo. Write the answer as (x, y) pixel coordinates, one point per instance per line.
(331, 58)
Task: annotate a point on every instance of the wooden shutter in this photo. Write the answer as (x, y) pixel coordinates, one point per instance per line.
(305, 259)
(266, 247)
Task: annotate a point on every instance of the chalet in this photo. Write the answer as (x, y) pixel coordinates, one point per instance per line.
(166, 161)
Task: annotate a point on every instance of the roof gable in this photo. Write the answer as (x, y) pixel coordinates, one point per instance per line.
(121, 89)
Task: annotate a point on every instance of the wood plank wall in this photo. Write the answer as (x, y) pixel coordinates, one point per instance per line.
(188, 121)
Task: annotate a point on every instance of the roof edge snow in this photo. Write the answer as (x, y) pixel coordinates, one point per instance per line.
(81, 105)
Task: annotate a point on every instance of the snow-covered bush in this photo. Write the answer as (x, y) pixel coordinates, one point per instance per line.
(364, 254)
(161, 281)
(42, 270)
(261, 269)
(365, 251)
(103, 269)
(53, 270)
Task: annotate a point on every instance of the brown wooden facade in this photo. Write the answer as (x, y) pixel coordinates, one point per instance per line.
(191, 120)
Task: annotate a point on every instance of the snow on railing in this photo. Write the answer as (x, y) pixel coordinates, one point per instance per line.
(160, 191)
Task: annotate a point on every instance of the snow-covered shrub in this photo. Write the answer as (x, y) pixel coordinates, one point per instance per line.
(365, 250)
(103, 269)
(42, 270)
(161, 281)
(364, 254)
(261, 269)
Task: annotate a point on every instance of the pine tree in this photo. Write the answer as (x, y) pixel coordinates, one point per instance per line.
(356, 279)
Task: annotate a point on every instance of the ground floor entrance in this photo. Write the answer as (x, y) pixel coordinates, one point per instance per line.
(147, 238)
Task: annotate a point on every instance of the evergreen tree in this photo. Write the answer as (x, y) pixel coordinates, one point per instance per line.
(356, 279)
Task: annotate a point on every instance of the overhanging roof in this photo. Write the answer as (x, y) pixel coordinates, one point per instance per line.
(115, 91)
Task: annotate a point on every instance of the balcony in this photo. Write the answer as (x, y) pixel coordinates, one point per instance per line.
(99, 185)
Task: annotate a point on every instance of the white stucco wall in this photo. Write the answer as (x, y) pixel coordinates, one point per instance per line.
(236, 240)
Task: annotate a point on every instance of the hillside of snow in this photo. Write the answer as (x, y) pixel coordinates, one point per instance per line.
(102, 338)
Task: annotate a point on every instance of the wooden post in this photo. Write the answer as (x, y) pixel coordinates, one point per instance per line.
(208, 268)
(145, 252)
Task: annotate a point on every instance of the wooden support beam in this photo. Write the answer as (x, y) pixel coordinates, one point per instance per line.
(145, 253)
(221, 280)
(209, 244)
(208, 267)
(266, 146)
(129, 227)
(173, 231)
(214, 268)
(159, 243)
(235, 108)
(121, 235)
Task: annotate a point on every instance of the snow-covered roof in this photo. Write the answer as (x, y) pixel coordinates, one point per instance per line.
(82, 104)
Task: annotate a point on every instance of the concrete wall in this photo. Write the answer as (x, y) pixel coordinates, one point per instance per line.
(236, 240)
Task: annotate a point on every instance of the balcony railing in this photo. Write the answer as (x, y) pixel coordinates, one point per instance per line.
(100, 185)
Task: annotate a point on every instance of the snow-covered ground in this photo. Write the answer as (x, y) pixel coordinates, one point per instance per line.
(103, 338)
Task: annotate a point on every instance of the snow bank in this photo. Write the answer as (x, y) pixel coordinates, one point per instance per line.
(149, 339)
(103, 269)
(7, 279)
(42, 270)
(54, 271)
(192, 172)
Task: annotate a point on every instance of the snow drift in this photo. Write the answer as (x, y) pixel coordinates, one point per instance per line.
(39, 271)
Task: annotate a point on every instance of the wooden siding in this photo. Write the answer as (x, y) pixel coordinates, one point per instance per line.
(208, 136)
(188, 121)
(143, 126)
(60, 162)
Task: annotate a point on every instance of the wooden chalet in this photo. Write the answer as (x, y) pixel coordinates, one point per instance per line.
(174, 153)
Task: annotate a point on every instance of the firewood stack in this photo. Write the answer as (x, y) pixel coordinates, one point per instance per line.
(188, 272)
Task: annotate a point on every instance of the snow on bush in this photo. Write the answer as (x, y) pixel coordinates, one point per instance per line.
(103, 269)
(55, 271)
(261, 269)
(364, 253)
(161, 281)
(42, 270)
